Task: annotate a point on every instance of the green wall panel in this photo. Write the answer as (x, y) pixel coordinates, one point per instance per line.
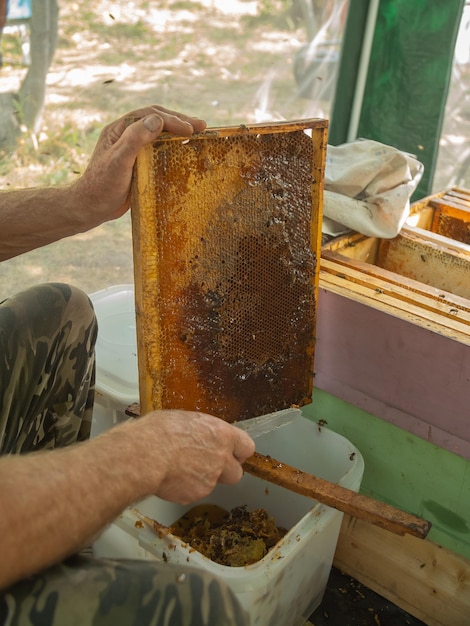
(408, 77)
(407, 80)
(405, 470)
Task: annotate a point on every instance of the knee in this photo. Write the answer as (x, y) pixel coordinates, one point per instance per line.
(77, 304)
(48, 309)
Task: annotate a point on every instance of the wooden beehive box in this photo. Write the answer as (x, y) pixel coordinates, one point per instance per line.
(226, 234)
(432, 248)
(421, 274)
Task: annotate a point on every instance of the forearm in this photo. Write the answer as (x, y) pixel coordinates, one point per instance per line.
(32, 218)
(54, 503)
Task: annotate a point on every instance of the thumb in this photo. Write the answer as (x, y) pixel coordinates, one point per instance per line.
(137, 135)
(153, 123)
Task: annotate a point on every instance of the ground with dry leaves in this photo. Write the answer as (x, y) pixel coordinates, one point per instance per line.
(229, 62)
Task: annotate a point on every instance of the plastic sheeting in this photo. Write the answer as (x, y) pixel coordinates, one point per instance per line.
(453, 162)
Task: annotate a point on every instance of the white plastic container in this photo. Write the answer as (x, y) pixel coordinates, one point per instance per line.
(288, 584)
(117, 378)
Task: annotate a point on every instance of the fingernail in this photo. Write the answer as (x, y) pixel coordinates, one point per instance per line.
(153, 123)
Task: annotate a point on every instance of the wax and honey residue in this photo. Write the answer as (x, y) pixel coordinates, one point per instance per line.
(236, 538)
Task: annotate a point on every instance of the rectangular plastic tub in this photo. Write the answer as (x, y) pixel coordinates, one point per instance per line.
(287, 585)
(117, 380)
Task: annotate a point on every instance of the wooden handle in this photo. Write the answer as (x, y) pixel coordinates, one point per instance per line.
(340, 498)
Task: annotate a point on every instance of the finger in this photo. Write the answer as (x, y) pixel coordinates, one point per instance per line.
(174, 122)
(146, 129)
(244, 446)
(173, 117)
(181, 125)
(232, 473)
(138, 135)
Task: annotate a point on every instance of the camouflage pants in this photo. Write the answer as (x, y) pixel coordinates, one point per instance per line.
(47, 338)
(101, 592)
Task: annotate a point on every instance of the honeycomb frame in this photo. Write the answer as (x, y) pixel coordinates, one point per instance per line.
(226, 236)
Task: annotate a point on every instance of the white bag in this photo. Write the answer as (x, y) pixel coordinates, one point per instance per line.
(368, 186)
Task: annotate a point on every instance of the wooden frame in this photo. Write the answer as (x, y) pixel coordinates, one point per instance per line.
(227, 237)
(421, 577)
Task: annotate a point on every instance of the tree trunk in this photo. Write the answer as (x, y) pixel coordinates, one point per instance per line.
(26, 107)
(44, 24)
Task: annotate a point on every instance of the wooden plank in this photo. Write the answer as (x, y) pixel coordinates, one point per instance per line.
(405, 289)
(356, 247)
(252, 129)
(451, 205)
(422, 219)
(458, 192)
(429, 258)
(452, 195)
(421, 577)
(390, 305)
(423, 202)
(357, 504)
(407, 299)
(146, 265)
(433, 241)
(414, 315)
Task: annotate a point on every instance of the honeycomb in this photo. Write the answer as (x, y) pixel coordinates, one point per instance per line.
(441, 266)
(226, 233)
(452, 216)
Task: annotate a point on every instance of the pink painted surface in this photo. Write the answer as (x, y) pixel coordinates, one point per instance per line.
(400, 372)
